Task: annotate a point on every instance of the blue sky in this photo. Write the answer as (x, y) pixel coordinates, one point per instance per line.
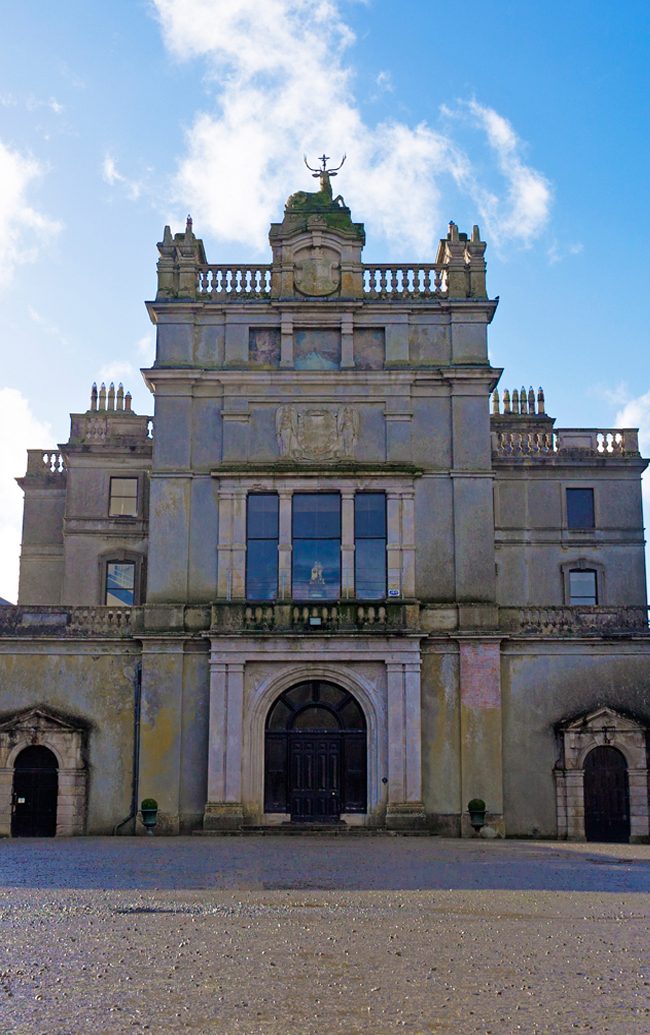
(530, 119)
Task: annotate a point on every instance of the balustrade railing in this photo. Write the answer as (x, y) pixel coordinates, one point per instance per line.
(574, 621)
(25, 620)
(607, 442)
(227, 283)
(404, 280)
(45, 461)
(342, 617)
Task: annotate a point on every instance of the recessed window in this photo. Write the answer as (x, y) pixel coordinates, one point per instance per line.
(262, 547)
(316, 546)
(583, 587)
(580, 508)
(120, 583)
(123, 498)
(370, 545)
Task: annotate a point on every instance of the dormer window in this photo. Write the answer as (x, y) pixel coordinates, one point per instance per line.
(123, 497)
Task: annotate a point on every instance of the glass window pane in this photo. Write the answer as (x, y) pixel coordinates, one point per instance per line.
(279, 716)
(316, 515)
(299, 695)
(370, 569)
(315, 719)
(123, 497)
(330, 694)
(580, 508)
(120, 584)
(262, 569)
(352, 717)
(316, 569)
(370, 514)
(582, 587)
(263, 516)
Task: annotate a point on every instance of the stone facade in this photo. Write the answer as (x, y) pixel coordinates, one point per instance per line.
(510, 555)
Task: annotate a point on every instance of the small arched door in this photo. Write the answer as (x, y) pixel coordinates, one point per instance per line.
(607, 796)
(36, 784)
(315, 754)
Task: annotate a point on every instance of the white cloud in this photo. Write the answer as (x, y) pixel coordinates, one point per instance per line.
(282, 89)
(23, 229)
(19, 430)
(113, 177)
(522, 212)
(118, 371)
(47, 326)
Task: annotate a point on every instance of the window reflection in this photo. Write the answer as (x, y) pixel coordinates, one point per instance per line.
(316, 546)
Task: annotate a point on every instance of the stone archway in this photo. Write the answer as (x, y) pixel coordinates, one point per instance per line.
(66, 740)
(579, 737)
(35, 792)
(315, 753)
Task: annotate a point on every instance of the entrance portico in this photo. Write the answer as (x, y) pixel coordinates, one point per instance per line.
(248, 677)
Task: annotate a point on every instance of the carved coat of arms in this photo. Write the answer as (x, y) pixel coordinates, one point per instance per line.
(316, 434)
(318, 273)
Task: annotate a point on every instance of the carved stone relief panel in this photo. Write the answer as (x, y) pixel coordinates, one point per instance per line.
(317, 271)
(316, 433)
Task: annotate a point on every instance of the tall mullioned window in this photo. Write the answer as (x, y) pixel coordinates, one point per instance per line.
(262, 546)
(370, 545)
(316, 521)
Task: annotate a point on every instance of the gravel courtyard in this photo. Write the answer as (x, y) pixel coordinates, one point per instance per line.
(302, 935)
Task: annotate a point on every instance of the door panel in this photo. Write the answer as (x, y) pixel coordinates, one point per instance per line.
(34, 803)
(314, 777)
(607, 799)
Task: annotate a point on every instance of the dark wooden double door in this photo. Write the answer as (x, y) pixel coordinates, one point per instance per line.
(607, 796)
(35, 791)
(315, 777)
(315, 754)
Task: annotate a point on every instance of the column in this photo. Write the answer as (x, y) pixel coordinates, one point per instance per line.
(393, 543)
(223, 808)
(404, 808)
(408, 544)
(347, 341)
(286, 340)
(347, 545)
(284, 546)
(224, 547)
(238, 547)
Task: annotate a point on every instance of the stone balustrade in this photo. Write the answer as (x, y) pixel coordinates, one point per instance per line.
(45, 462)
(230, 283)
(70, 622)
(335, 617)
(380, 281)
(574, 442)
(574, 621)
(404, 280)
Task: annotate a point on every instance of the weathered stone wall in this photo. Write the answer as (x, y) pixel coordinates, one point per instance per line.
(93, 682)
(544, 683)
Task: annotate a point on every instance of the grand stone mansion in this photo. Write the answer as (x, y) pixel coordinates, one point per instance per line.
(339, 577)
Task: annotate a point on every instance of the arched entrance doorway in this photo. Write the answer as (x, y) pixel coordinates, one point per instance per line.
(315, 754)
(607, 796)
(35, 790)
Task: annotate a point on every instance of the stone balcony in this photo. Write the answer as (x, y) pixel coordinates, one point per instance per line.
(343, 618)
(71, 622)
(574, 621)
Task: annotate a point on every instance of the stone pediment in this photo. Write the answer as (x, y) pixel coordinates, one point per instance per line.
(41, 719)
(601, 717)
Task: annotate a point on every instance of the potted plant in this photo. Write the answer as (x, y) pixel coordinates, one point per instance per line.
(149, 813)
(476, 809)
